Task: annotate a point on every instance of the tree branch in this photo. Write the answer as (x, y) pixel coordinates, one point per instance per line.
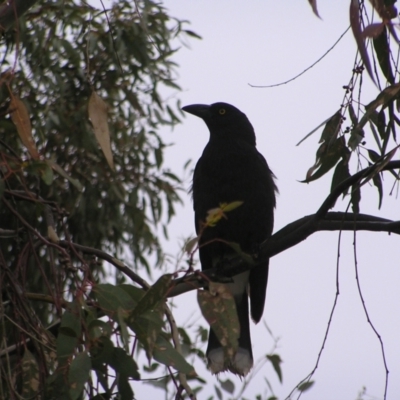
(299, 230)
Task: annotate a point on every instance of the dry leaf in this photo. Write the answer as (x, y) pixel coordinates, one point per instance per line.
(20, 118)
(98, 115)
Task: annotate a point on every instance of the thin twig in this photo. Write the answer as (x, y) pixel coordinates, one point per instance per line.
(369, 319)
(307, 69)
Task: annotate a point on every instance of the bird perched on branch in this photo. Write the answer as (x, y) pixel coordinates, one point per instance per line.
(232, 170)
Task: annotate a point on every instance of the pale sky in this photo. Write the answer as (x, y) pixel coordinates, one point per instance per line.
(266, 42)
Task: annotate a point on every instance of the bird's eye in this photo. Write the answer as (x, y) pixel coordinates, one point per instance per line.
(222, 111)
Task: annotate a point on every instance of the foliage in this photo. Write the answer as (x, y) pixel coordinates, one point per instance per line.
(340, 140)
(82, 162)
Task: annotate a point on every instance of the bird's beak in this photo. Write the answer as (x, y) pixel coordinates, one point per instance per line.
(199, 110)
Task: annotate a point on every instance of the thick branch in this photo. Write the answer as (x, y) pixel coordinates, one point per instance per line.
(11, 10)
(107, 257)
(300, 230)
(283, 240)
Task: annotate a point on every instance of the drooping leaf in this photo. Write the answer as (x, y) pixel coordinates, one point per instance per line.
(375, 135)
(124, 364)
(78, 374)
(98, 109)
(358, 35)
(276, 363)
(166, 354)
(327, 158)
(382, 50)
(147, 327)
(30, 376)
(112, 298)
(61, 172)
(352, 114)
(218, 308)
(218, 392)
(341, 173)
(68, 334)
(313, 4)
(20, 118)
(377, 180)
(385, 8)
(332, 127)
(313, 131)
(382, 99)
(373, 155)
(101, 352)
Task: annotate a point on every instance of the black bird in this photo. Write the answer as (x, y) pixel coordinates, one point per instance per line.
(231, 169)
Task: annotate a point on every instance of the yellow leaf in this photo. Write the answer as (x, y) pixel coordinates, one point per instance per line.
(20, 118)
(214, 215)
(97, 109)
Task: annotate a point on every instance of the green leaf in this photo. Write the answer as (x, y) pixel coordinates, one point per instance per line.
(276, 363)
(228, 386)
(101, 351)
(191, 33)
(332, 127)
(111, 298)
(78, 374)
(61, 172)
(154, 295)
(341, 174)
(352, 114)
(382, 50)
(147, 328)
(373, 156)
(219, 393)
(125, 391)
(327, 158)
(69, 334)
(358, 35)
(383, 98)
(305, 386)
(124, 364)
(165, 354)
(98, 328)
(134, 292)
(122, 314)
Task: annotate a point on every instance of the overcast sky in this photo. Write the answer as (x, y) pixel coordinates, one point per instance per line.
(262, 43)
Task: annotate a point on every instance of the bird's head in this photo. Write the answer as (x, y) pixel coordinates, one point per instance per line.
(224, 120)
